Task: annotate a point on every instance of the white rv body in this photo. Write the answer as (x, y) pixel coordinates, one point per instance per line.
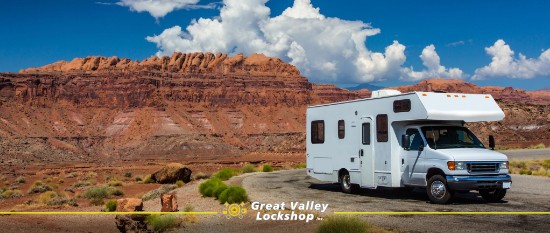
(387, 163)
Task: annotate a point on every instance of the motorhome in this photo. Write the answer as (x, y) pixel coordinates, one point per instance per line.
(407, 140)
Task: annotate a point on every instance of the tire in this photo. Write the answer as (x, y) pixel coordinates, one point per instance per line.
(345, 183)
(492, 195)
(437, 190)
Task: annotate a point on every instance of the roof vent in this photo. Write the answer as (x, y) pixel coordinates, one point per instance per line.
(382, 93)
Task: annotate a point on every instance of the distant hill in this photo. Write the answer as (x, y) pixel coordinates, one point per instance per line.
(366, 86)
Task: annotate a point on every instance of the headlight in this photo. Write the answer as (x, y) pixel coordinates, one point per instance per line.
(504, 165)
(452, 165)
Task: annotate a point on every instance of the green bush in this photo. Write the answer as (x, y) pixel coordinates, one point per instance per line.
(96, 192)
(248, 169)
(110, 206)
(179, 183)
(20, 180)
(212, 187)
(161, 223)
(225, 174)
(39, 187)
(300, 165)
(267, 168)
(233, 194)
(343, 225)
(116, 192)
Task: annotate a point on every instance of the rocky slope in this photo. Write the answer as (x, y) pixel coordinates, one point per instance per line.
(197, 105)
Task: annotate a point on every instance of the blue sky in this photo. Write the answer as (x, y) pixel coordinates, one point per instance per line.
(37, 32)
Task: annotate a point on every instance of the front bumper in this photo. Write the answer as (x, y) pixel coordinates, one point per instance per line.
(477, 182)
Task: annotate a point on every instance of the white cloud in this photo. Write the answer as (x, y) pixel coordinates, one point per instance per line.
(325, 49)
(160, 8)
(434, 69)
(504, 64)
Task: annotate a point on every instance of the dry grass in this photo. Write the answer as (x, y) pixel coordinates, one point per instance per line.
(530, 167)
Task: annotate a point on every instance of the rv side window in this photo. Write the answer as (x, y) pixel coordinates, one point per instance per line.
(402, 105)
(317, 132)
(382, 128)
(341, 129)
(366, 133)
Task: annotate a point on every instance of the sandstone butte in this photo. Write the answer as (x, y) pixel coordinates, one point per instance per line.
(196, 105)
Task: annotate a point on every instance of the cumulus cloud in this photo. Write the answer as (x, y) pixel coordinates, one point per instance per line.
(325, 49)
(160, 8)
(432, 62)
(504, 64)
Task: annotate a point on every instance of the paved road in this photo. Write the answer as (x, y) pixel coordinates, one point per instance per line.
(527, 154)
(527, 194)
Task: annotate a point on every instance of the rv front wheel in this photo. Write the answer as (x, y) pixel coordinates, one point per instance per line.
(345, 183)
(437, 190)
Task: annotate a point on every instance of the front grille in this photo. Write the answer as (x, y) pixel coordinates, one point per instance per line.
(482, 167)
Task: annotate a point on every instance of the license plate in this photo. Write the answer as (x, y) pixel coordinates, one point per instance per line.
(506, 185)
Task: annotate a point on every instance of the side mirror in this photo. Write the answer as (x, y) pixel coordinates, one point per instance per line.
(421, 147)
(405, 141)
(491, 142)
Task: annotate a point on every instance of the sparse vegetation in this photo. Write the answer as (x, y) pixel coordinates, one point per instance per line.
(46, 197)
(161, 223)
(179, 183)
(267, 168)
(20, 180)
(190, 218)
(10, 193)
(61, 181)
(248, 169)
(225, 173)
(81, 184)
(39, 187)
(157, 192)
(110, 206)
(115, 183)
(148, 179)
(344, 225)
(201, 176)
(97, 201)
(212, 187)
(537, 146)
(531, 167)
(233, 194)
(102, 192)
(71, 175)
(299, 166)
(138, 179)
(128, 174)
(89, 176)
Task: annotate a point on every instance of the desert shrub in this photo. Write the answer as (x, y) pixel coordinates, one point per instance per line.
(248, 169)
(59, 200)
(97, 201)
(89, 176)
(267, 168)
(538, 146)
(20, 180)
(115, 183)
(45, 197)
(201, 176)
(128, 174)
(525, 172)
(71, 175)
(161, 223)
(115, 192)
(110, 206)
(10, 193)
(81, 184)
(233, 194)
(138, 179)
(39, 187)
(3, 179)
(157, 192)
(96, 192)
(61, 181)
(189, 217)
(546, 164)
(225, 174)
(343, 225)
(148, 179)
(300, 165)
(212, 187)
(179, 183)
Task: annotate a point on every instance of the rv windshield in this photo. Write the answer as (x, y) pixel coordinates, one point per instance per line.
(446, 137)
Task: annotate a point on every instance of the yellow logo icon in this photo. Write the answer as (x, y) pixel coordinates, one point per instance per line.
(234, 210)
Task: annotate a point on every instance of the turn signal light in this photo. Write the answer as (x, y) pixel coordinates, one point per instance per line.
(451, 165)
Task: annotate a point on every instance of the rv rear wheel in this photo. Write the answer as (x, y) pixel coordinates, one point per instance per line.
(493, 195)
(437, 190)
(345, 183)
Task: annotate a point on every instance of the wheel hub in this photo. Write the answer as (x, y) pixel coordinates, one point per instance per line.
(438, 189)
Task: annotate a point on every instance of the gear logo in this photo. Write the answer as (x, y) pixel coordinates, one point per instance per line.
(234, 210)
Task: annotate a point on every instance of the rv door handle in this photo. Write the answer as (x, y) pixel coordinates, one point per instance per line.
(361, 152)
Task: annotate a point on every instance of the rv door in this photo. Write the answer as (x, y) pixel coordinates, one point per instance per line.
(366, 154)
